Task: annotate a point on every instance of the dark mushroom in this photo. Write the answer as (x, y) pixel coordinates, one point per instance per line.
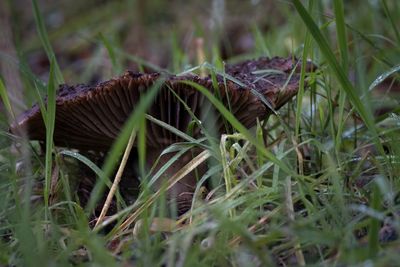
(90, 117)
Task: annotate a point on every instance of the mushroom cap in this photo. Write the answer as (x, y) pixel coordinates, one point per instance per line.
(91, 117)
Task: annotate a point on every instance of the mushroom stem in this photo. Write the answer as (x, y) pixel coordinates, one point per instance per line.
(181, 193)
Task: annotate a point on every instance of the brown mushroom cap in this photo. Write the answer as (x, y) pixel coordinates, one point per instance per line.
(91, 117)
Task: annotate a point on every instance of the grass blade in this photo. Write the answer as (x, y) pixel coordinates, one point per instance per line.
(88, 163)
(116, 67)
(391, 20)
(342, 42)
(6, 100)
(44, 38)
(300, 93)
(383, 77)
(50, 121)
(341, 33)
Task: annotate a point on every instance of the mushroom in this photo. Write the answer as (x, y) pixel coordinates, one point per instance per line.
(90, 117)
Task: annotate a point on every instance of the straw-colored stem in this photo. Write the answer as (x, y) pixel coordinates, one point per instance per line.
(117, 179)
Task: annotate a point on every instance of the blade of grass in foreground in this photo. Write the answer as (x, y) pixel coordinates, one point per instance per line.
(300, 93)
(116, 67)
(88, 163)
(342, 40)
(341, 33)
(6, 99)
(141, 145)
(44, 38)
(50, 121)
(99, 173)
(392, 20)
(341, 76)
(383, 77)
(40, 102)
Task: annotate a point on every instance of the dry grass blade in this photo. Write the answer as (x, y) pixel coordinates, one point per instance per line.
(117, 179)
(201, 58)
(300, 159)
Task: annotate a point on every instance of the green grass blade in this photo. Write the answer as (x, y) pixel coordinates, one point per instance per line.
(88, 163)
(99, 172)
(50, 121)
(391, 20)
(170, 162)
(260, 43)
(170, 128)
(117, 68)
(383, 77)
(40, 102)
(6, 100)
(341, 33)
(141, 145)
(300, 93)
(44, 38)
(343, 49)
